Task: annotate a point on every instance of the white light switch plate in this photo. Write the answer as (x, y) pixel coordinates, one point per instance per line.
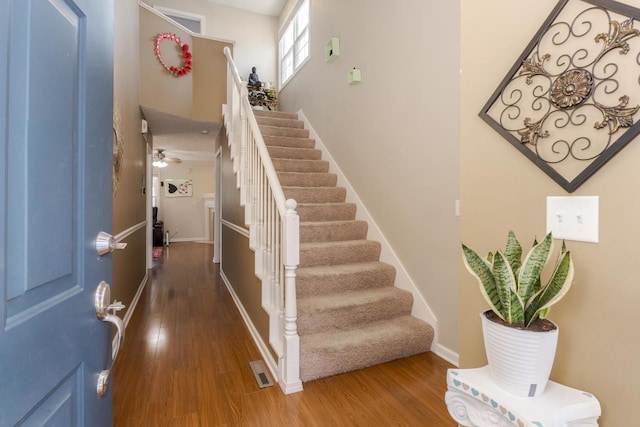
(574, 218)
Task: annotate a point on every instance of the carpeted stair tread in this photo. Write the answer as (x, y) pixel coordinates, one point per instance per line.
(279, 122)
(338, 351)
(300, 165)
(326, 211)
(323, 280)
(334, 253)
(287, 141)
(278, 114)
(350, 315)
(294, 153)
(307, 179)
(284, 131)
(316, 194)
(347, 309)
(327, 231)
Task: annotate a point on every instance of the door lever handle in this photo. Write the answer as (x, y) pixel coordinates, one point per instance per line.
(107, 313)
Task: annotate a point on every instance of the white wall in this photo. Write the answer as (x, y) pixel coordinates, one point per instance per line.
(395, 135)
(255, 35)
(184, 216)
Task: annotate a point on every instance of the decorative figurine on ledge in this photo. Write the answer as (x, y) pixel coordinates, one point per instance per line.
(261, 94)
(254, 80)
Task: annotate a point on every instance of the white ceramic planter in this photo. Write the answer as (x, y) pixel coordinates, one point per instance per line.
(520, 361)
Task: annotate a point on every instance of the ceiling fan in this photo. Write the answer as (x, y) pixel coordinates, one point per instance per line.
(162, 161)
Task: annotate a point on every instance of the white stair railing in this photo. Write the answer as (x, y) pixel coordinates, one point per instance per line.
(273, 226)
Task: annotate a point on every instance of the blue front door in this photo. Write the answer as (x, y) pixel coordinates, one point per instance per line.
(56, 96)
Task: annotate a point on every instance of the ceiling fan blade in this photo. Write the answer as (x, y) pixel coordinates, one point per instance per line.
(159, 155)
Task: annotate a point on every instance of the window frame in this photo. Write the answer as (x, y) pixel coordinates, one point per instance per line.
(170, 13)
(297, 35)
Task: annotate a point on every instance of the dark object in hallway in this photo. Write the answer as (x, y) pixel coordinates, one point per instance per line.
(158, 228)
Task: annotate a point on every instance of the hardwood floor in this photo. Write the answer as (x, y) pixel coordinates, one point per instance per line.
(185, 362)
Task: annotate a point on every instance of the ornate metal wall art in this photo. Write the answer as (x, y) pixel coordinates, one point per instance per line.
(572, 99)
(118, 147)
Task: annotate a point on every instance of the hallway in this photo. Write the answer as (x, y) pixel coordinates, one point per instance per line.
(185, 362)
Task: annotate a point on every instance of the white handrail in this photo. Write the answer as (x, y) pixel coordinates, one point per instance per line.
(273, 226)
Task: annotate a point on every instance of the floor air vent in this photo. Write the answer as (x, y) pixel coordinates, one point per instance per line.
(260, 372)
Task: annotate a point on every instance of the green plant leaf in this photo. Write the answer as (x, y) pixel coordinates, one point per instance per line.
(553, 291)
(516, 310)
(532, 266)
(505, 282)
(481, 270)
(513, 252)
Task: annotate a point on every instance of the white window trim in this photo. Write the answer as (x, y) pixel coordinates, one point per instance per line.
(284, 27)
(182, 14)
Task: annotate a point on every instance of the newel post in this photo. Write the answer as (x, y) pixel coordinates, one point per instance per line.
(290, 362)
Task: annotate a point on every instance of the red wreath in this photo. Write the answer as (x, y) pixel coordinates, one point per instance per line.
(187, 65)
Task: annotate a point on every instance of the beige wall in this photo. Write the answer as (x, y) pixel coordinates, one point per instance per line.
(184, 216)
(200, 94)
(395, 135)
(129, 266)
(159, 88)
(209, 80)
(598, 348)
(255, 35)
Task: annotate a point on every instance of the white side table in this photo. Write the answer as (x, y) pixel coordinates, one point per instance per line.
(474, 400)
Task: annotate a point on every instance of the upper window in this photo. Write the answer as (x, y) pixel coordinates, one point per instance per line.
(191, 21)
(294, 44)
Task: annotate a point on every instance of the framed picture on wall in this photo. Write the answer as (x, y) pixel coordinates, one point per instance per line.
(178, 188)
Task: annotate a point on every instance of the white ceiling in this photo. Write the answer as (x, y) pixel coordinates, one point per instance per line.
(181, 138)
(264, 7)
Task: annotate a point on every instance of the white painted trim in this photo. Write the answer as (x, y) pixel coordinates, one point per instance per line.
(132, 307)
(421, 308)
(174, 23)
(149, 208)
(236, 228)
(217, 208)
(187, 239)
(209, 202)
(262, 346)
(448, 355)
(136, 297)
(129, 231)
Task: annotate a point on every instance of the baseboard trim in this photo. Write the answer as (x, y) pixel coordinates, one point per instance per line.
(262, 346)
(132, 307)
(185, 239)
(448, 355)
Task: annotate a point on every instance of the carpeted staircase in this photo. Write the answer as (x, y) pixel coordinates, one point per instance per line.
(350, 315)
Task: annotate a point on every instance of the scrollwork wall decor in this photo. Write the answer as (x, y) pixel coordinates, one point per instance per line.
(118, 148)
(572, 99)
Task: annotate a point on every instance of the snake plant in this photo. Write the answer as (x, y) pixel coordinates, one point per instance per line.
(512, 287)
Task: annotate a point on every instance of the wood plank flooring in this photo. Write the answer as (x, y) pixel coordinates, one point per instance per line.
(185, 362)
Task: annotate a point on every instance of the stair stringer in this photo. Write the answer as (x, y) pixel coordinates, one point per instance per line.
(421, 308)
